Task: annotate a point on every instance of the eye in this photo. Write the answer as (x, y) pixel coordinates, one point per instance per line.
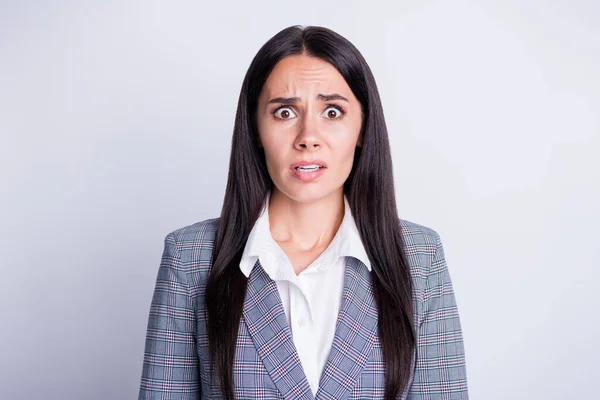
(334, 112)
(284, 113)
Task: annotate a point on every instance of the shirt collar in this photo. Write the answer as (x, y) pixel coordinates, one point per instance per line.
(346, 242)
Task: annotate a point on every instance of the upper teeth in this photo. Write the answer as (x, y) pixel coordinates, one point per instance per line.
(309, 166)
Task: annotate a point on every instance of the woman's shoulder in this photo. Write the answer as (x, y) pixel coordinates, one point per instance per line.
(421, 243)
(194, 243)
(418, 235)
(197, 232)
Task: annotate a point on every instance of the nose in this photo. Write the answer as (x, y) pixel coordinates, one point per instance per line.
(308, 136)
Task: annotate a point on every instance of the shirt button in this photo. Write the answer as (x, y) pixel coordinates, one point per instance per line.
(302, 322)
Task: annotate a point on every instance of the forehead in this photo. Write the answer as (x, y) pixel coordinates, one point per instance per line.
(297, 73)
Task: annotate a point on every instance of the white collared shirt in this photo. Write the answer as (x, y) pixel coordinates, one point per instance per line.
(311, 299)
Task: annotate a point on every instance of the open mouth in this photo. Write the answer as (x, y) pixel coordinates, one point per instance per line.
(308, 169)
(308, 173)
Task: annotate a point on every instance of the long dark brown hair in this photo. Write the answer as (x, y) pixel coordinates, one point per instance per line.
(369, 189)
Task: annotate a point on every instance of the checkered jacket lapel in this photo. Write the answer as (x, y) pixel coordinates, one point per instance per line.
(355, 333)
(267, 325)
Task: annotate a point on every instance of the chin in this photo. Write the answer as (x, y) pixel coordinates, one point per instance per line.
(307, 193)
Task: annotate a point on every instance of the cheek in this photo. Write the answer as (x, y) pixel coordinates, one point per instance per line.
(267, 137)
(343, 160)
(275, 149)
(348, 159)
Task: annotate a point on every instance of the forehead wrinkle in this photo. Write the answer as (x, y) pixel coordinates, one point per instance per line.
(318, 86)
(312, 73)
(312, 78)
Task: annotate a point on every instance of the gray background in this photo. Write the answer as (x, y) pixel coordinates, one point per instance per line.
(116, 121)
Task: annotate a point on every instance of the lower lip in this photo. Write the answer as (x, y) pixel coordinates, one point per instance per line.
(308, 176)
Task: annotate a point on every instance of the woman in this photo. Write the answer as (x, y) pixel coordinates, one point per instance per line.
(308, 285)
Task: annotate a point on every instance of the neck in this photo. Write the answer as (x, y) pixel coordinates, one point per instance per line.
(305, 226)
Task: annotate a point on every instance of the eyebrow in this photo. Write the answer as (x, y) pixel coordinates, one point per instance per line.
(292, 100)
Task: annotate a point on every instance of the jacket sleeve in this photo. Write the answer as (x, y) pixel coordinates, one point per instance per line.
(170, 367)
(441, 369)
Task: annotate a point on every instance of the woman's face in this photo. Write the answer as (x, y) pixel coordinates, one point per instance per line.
(306, 111)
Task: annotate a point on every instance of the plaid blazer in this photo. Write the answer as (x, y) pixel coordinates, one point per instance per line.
(266, 364)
